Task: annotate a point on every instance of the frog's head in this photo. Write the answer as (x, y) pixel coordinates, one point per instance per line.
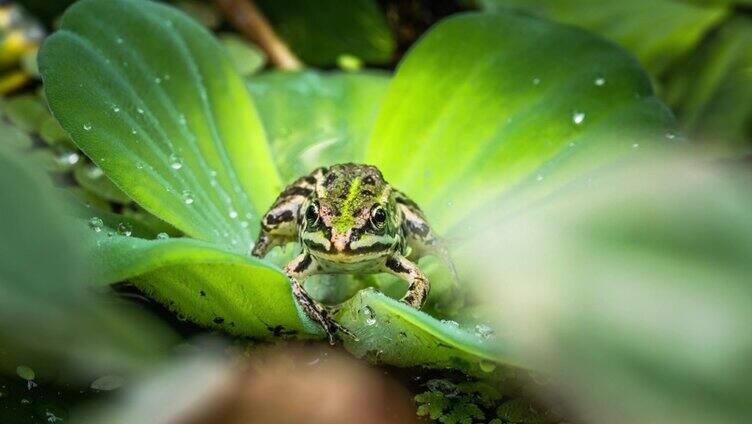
(351, 216)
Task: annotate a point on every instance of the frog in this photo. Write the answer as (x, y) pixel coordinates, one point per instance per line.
(348, 219)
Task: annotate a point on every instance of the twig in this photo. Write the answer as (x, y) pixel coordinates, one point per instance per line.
(247, 19)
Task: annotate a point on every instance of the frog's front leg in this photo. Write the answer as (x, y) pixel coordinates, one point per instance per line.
(419, 235)
(418, 286)
(303, 266)
(279, 225)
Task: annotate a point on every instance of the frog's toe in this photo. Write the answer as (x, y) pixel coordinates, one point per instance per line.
(333, 327)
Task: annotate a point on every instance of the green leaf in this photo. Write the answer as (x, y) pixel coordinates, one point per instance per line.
(525, 104)
(246, 57)
(199, 281)
(152, 99)
(632, 290)
(319, 32)
(657, 32)
(49, 320)
(314, 119)
(712, 91)
(393, 333)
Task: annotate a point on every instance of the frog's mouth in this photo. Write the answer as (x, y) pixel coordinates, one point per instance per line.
(346, 248)
(350, 256)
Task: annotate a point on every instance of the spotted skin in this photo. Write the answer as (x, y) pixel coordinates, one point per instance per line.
(348, 219)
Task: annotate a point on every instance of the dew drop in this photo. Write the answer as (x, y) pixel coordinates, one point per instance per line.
(96, 224)
(187, 197)
(175, 162)
(539, 177)
(119, 40)
(450, 323)
(124, 229)
(369, 314)
(233, 214)
(578, 118)
(163, 236)
(635, 145)
(182, 119)
(158, 80)
(94, 172)
(483, 331)
(87, 127)
(133, 131)
(115, 109)
(244, 224)
(670, 135)
(140, 111)
(536, 81)
(69, 158)
(600, 82)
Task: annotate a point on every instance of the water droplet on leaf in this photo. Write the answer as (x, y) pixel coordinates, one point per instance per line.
(124, 229)
(187, 197)
(578, 118)
(484, 331)
(68, 158)
(163, 236)
(96, 224)
(367, 311)
(175, 162)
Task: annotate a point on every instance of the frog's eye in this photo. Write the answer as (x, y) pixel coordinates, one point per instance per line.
(378, 217)
(312, 213)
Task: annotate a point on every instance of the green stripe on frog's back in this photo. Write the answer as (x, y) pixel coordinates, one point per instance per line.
(349, 206)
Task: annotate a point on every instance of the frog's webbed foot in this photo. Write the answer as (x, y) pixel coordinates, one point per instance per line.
(297, 270)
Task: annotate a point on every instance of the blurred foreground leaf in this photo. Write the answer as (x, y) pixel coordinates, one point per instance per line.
(49, 319)
(633, 290)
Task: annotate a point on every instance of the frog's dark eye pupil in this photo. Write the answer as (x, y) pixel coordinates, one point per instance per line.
(378, 217)
(312, 213)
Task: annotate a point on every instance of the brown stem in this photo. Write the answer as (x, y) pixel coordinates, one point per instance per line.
(247, 19)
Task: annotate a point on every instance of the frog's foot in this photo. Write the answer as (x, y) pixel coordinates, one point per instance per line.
(331, 326)
(319, 313)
